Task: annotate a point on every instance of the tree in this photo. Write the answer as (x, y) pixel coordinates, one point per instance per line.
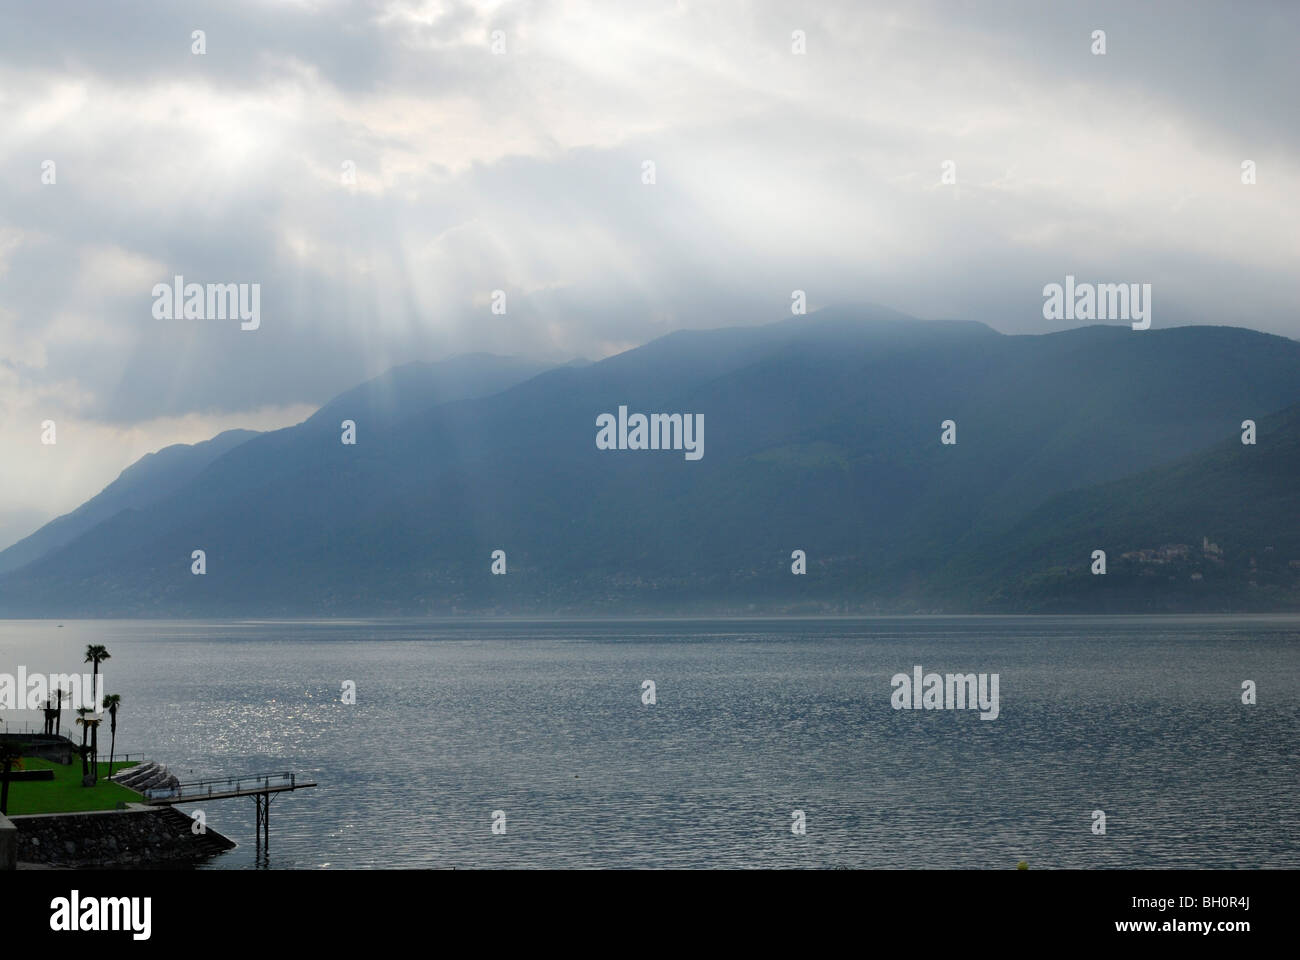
(111, 703)
(58, 711)
(11, 756)
(96, 653)
(85, 720)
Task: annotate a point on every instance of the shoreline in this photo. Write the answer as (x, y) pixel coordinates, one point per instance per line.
(141, 835)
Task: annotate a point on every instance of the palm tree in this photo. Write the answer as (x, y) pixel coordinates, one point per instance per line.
(84, 721)
(58, 712)
(88, 757)
(111, 703)
(96, 653)
(94, 748)
(10, 757)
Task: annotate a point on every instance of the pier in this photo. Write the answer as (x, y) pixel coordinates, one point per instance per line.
(261, 787)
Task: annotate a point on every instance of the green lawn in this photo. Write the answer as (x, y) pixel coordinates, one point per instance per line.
(65, 794)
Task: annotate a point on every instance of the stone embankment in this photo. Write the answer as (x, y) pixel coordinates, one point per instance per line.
(140, 835)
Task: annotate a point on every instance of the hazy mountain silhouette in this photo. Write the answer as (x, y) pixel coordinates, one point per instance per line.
(406, 389)
(822, 433)
(152, 476)
(416, 386)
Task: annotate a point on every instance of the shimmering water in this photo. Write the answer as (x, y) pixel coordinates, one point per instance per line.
(1139, 717)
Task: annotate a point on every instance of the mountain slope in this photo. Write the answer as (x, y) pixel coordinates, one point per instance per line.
(417, 386)
(152, 476)
(402, 391)
(1216, 531)
(822, 434)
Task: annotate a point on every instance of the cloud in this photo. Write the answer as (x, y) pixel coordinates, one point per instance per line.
(522, 172)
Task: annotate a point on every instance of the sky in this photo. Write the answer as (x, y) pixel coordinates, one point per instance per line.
(380, 167)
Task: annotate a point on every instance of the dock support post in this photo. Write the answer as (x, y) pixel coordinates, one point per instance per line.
(263, 801)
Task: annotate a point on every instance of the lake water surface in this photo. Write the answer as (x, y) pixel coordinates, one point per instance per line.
(1139, 717)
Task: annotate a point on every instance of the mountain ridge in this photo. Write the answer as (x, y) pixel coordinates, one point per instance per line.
(167, 467)
(823, 434)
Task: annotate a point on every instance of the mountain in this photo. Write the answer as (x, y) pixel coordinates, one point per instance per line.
(152, 476)
(822, 434)
(416, 386)
(412, 387)
(1213, 532)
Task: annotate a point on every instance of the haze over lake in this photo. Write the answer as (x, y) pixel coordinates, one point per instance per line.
(1139, 717)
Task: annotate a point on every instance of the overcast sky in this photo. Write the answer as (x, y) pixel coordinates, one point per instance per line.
(522, 171)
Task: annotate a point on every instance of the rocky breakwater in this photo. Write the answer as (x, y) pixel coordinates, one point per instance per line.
(137, 836)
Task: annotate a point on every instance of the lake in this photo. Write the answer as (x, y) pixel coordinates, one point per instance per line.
(1141, 718)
